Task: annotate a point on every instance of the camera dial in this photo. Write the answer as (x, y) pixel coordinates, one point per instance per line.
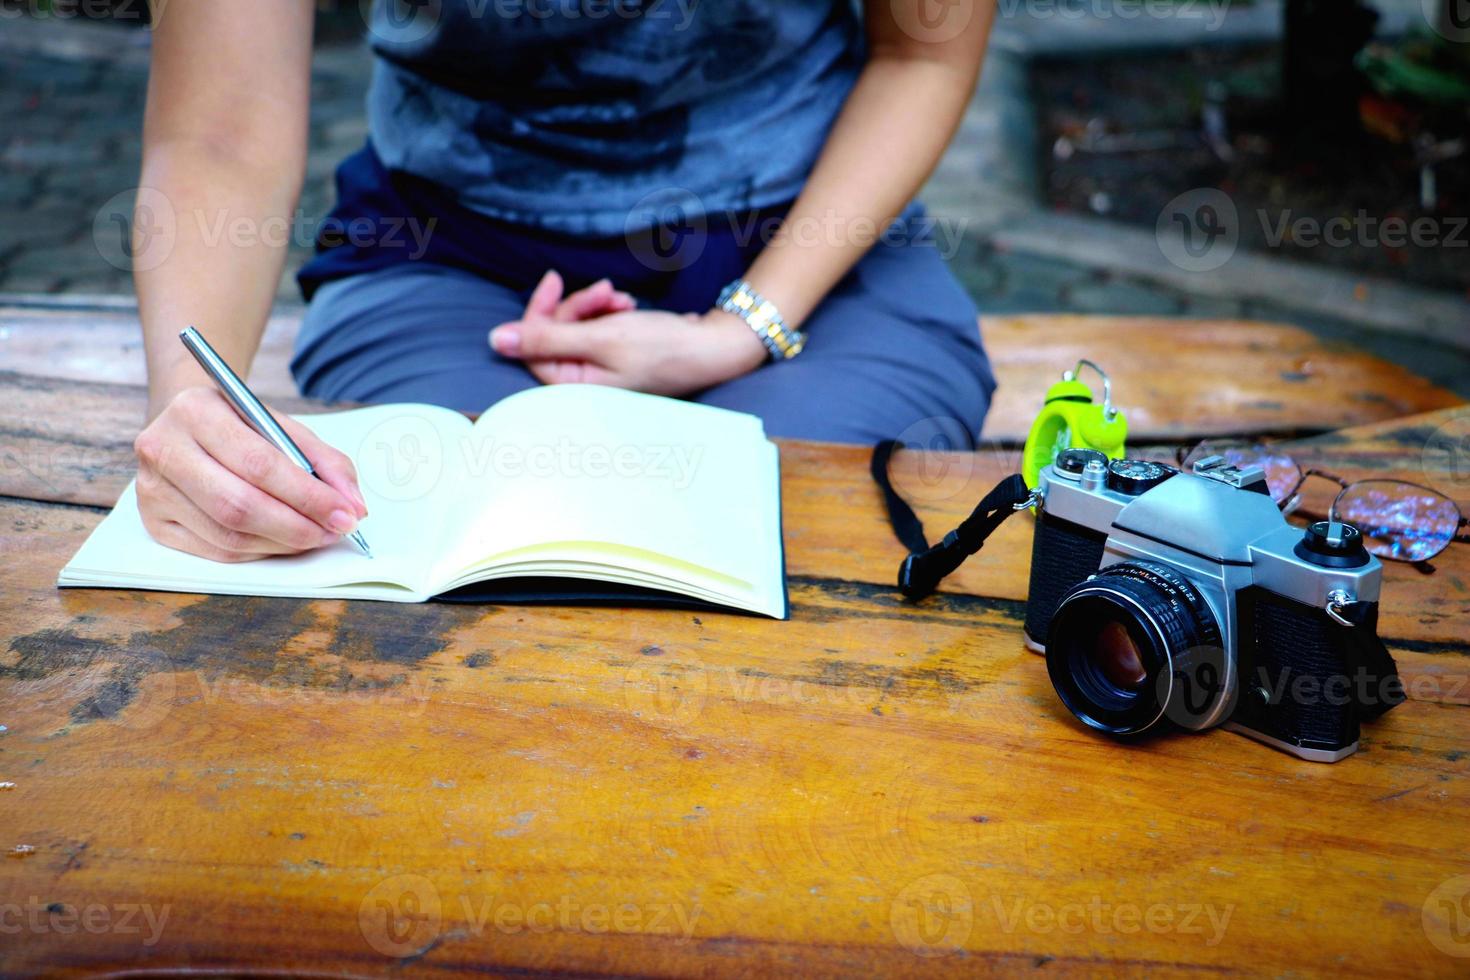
(1333, 544)
(1071, 462)
(1137, 476)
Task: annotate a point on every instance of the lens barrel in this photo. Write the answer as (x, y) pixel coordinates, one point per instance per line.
(1134, 646)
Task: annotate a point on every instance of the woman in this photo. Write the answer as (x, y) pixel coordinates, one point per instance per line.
(702, 200)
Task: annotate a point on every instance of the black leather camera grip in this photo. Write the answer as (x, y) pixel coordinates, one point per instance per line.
(1367, 655)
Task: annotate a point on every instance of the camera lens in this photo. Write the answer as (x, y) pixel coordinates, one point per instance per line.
(1119, 641)
(1115, 654)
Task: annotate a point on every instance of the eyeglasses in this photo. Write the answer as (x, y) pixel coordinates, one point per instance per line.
(1400, 521)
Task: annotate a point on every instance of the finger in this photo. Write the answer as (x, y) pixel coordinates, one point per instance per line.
(595, 300)
(551, 340)
(546, 296)
(558, 372)
(573, 373)
(172, 534)
(247, 454)
(170, 500)
(238, 504)
(332, 465)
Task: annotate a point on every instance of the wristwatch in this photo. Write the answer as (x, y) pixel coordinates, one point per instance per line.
(761, 315)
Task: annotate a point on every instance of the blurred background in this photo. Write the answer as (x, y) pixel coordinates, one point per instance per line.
(1302, 161)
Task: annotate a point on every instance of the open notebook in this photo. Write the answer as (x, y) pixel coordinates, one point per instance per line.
(564, 493)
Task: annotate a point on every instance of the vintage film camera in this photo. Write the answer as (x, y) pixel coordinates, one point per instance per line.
(1166, 599)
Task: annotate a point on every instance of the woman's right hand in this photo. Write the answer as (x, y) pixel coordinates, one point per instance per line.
(210, 485)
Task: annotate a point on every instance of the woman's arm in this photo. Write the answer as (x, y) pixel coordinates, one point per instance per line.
(901, 115)
(224, 149)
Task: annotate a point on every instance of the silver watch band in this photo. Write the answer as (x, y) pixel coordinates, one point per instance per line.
(761, 315)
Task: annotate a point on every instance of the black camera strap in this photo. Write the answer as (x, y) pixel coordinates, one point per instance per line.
(924, 568)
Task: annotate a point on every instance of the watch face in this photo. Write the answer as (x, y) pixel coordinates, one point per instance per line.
(1134, 476)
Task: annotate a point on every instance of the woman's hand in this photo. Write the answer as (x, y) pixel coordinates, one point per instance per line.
(210, 485)
(598, 336)
(598, 299)
(642, 350)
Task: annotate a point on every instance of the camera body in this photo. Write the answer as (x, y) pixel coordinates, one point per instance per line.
(1167, 599)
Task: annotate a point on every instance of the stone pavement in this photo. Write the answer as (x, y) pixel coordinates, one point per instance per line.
(71, 102)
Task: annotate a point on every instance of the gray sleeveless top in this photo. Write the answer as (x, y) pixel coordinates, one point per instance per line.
(591, 116)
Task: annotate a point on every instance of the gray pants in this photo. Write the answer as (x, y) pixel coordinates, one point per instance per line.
(894, 351)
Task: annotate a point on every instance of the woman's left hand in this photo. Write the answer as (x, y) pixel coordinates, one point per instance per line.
(642, 350)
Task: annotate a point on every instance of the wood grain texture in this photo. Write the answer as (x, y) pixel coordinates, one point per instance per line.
(871, 788)
(1224, 376)
(72, 441)
(1179, 379)
(105, 344)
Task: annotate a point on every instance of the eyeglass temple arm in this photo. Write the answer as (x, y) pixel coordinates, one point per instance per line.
(1307, 474)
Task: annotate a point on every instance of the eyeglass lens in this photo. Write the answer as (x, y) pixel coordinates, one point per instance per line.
(1399, 520)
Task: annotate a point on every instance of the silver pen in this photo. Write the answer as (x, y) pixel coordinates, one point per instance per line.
(251, 410)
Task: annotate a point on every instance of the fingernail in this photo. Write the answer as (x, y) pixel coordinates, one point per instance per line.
(341, 521)
(358, 499)
(506, 340)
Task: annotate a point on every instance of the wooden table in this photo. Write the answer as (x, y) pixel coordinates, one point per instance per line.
(1222, 376)
(873, 788)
